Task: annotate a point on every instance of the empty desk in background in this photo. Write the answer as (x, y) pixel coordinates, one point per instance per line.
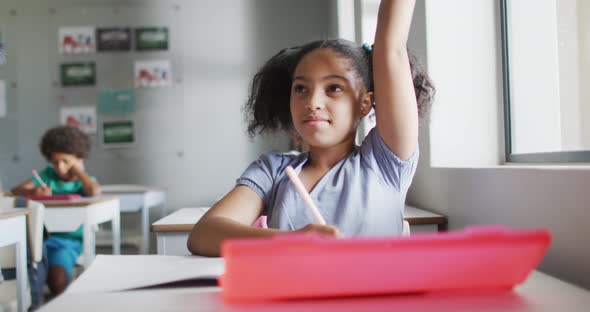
(13, 230)
(424, 221)
(134, 198)
(68, 215)
(172, 231)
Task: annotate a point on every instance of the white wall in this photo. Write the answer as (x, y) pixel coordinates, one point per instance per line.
(555, 198)
(193, 141)
(569, 75)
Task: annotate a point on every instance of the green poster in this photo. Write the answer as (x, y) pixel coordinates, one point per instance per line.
(116, 101)
(118, 132)
(151, 38)
(78, 74)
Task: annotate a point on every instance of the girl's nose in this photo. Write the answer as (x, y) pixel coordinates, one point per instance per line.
(315, 101)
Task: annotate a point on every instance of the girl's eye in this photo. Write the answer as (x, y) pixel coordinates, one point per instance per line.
(334, 88)
(299, 88)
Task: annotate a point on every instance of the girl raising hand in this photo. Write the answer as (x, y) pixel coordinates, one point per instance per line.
(322, 90)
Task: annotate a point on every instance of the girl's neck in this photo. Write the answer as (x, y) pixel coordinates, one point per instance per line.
(327, 157)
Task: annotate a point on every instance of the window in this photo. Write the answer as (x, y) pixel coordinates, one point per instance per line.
(546, 68)
(369, 10)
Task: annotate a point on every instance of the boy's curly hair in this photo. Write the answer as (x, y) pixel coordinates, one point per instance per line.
(65, 139)
(268, 107)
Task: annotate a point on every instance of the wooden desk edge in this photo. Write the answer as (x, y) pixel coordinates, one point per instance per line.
(76, 203)
(426, 220)
(115, 192)
(167, 228)
(188, 227)
(14, 212)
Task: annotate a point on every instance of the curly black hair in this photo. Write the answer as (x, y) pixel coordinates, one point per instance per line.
(65, 139)
(268, 107)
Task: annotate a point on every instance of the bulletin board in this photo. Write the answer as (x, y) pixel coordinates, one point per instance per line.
(156, 107)
(8, 92)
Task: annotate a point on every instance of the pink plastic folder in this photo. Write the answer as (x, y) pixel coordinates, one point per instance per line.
(307, 266)
(53, 197)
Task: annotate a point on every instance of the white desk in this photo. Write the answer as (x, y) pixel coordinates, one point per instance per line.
(122, 273)
(540, 292)
(135, 198)
(68, 215)
(172, 231)
(13, 230)
(421, 220)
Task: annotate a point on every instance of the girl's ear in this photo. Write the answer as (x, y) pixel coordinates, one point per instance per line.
(367, 103)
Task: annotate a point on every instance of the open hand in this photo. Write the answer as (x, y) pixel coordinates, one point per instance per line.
(77, 169)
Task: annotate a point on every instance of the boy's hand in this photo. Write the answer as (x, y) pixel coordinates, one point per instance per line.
(324, 230)
(42, 191)
(77, 169)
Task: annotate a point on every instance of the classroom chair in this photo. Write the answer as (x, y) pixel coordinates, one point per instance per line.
(35, 249)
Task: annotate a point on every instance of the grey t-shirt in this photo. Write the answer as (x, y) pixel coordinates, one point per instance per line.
(362, 195)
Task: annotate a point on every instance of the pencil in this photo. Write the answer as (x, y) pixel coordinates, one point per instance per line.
(36, 175)
(305, 195)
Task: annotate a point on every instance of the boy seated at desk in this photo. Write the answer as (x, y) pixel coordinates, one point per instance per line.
(65, 148)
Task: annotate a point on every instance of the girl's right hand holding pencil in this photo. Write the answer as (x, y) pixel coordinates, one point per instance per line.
(322, 229)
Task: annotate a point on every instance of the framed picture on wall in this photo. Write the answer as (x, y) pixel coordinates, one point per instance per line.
(78, 74)
(76, 40)
(113, 39)
(152, 73)
(151, 38)
(83, 117)
(116, 101)
(118, 133)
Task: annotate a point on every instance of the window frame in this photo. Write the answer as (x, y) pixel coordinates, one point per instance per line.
(582, 156)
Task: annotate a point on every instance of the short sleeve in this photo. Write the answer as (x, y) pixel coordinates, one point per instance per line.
(394, 171)
(261, 175)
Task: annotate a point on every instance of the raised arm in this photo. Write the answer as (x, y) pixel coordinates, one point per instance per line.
(396, 109)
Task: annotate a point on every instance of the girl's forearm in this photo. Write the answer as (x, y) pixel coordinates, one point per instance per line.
(393, 23)
(206, 237)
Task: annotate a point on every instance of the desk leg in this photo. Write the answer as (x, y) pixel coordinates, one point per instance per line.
(116, 229)
(89, 244)
(21, 268)
(145, 234)
(161, 240)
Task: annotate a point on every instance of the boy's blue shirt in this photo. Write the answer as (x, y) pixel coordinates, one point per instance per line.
(58, 186)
